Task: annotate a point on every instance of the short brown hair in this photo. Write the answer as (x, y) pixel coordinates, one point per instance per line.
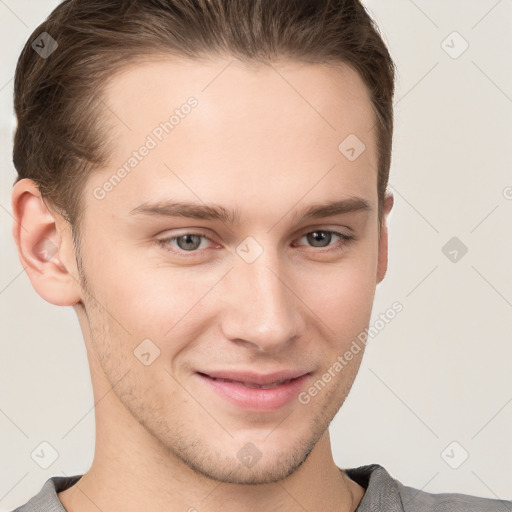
(61, 137)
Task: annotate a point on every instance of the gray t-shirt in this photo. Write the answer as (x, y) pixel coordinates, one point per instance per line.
(383, 494)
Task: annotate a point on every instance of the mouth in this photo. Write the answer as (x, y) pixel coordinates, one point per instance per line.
(252, 385)
(257, 392)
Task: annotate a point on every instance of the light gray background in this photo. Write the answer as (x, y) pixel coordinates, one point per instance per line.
(438, 373)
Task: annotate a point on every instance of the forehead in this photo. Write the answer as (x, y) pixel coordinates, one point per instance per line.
(211, 125)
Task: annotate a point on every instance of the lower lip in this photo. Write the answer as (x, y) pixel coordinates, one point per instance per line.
(257, 399)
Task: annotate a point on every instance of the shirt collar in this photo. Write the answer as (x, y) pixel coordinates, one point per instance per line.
(382, 492)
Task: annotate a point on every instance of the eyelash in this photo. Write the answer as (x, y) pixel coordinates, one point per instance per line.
(165, 243)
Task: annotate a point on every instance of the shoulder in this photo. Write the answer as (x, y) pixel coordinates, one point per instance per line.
(46, 500)
(383, 492)
(415, 500)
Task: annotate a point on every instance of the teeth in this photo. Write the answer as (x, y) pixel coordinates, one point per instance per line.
(275, 384)
(258, 386)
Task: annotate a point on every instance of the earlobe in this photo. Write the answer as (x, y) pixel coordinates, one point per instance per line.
(382, 264)
(44, 243)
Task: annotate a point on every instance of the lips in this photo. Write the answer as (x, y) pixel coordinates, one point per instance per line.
(254, 385)
(257, 392)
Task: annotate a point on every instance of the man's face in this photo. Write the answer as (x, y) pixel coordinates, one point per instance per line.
(225, 312)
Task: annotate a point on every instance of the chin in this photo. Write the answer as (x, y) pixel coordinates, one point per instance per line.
(242, 462)
(275, 468)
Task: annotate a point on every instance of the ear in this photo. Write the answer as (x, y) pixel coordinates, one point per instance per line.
(45, 246)
(382, 264)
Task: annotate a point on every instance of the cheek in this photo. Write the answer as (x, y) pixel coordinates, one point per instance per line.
(342, 294)
(346, 310)
(161, 304)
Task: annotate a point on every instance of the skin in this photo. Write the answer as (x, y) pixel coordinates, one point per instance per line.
(165, 440)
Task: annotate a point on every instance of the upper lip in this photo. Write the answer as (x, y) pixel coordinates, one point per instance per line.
(256, 378)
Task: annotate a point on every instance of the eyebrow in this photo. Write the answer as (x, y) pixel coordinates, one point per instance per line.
(216, 212)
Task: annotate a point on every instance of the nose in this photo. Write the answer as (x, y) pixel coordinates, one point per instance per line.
(262, 311)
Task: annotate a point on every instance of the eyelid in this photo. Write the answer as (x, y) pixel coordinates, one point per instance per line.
(344, 232)
(166, 242)
(345, 239)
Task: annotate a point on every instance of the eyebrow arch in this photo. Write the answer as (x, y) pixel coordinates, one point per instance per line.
(190, 210)
(349, 205)
(232, 217)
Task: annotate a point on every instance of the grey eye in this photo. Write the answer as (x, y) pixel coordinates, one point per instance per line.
(319, 238)
(189, 242)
